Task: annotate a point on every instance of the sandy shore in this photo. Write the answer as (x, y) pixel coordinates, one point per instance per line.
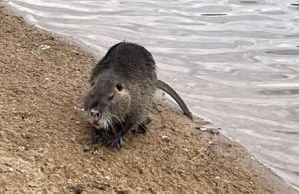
(45, 143)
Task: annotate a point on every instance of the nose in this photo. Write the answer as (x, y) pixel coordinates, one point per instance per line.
(94, 113)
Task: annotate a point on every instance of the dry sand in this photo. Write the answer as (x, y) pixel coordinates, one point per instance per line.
(45, 144)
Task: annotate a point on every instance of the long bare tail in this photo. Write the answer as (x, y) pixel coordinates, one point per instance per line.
(169, 90)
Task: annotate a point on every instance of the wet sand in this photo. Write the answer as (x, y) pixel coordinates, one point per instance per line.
(45, 142)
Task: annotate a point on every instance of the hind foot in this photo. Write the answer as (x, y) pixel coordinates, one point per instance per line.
(117, 141)
(140, 128)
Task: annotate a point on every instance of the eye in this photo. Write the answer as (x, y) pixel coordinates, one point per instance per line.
(119, 87)
(110, 97)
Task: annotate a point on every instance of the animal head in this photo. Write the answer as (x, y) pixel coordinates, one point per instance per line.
(107, 102)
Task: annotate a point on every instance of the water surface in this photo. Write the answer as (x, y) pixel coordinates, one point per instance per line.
(235, 62)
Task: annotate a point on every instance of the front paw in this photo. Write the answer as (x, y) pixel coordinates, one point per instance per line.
(117, 141)
(97, 136)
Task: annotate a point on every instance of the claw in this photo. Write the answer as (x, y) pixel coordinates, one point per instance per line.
(140, 128)
(117, 141)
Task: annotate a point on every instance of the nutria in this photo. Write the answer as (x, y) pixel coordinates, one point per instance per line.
(123, 84)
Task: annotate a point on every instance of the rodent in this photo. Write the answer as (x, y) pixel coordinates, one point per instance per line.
(123, 83)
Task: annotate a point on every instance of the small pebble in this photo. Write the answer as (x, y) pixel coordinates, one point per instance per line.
(76, 52)
(78, 189)
(165, 138)
(217, 180)
(10, 169)
(44, 47)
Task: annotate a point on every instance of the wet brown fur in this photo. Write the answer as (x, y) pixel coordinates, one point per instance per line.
(133, 67)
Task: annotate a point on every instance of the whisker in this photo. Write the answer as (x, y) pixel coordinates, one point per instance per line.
(119, 120)
(110, 123)
(106, 122)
